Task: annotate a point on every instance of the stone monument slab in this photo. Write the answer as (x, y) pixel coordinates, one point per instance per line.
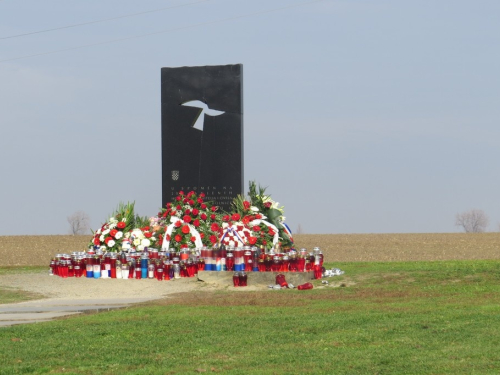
(202, 132)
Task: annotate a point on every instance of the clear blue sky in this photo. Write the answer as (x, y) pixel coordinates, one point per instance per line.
(360, 116)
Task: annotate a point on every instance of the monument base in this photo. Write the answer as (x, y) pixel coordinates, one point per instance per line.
(255, 278)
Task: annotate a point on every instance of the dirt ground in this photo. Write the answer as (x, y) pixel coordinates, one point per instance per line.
(38, 250)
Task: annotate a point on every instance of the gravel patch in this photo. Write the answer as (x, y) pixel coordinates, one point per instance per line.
(86, 288)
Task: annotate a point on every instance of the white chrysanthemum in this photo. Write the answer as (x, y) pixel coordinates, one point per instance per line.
(146, 242)
(105, 231)
(101, 238)
(118, 235)
(111, 243)
(112, 225)
(137, 233)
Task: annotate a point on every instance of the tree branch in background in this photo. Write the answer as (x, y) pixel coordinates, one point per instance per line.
(79, 223)
(472, 221)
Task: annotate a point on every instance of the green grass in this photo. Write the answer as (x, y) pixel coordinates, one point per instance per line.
(391, 318)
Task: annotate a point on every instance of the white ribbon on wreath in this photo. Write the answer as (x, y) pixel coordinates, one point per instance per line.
(276, 236)
(192, 230)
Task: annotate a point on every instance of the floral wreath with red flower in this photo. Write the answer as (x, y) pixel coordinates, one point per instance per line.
(187, 222)
(115, 234)
(264, 217)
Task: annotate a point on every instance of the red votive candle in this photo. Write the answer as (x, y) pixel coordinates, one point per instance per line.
(236, 279)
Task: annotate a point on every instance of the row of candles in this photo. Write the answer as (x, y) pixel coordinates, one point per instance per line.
(167, 265)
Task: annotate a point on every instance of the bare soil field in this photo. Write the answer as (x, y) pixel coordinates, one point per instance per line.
(38, 250)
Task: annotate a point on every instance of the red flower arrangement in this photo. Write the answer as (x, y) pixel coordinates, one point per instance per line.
(188, 222)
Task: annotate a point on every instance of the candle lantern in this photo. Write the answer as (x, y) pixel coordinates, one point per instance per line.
(96, 266)
(159, 272)
(151, 271)
(248, 260)
(144, 265)
(230, 262)
(177, 271)
(243, 278)
(89, 269)
(285, 263)
(118, 269)
(236, 279)
(112, 265)
(125, 270)
(239, 259)
(131, 268)
(276, 266)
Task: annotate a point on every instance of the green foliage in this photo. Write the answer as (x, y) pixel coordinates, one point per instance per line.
(265, 206)
(125, 212)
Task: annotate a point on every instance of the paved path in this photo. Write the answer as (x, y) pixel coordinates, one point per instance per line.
(47, 309)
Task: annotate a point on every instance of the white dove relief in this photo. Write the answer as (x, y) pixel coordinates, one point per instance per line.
(204, 110)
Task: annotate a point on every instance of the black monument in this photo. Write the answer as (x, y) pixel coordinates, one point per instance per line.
(202, 132)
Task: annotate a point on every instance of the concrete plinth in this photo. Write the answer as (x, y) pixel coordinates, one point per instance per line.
(255, 278)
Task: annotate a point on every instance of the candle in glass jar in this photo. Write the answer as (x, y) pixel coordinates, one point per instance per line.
(177, 271)
(318, 271)
(118, 270)
(151, 271)
(243, 278)
(138, 270)
(159, 273)
(144, 265)
(230, 262)
(305, 286)
(131, 268)
(112, 265)
(71, 269)
(236, 279)
(104, 271)
(96, 268)
(77, 268)
(125, 270)
(89, 269)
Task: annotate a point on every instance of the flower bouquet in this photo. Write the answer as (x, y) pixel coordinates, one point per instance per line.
(264, 218)
(187, 222)
(120, 230)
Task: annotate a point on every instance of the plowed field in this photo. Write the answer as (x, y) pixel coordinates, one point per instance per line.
(38, 250)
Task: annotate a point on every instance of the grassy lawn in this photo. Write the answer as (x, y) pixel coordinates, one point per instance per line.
(390, 318)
